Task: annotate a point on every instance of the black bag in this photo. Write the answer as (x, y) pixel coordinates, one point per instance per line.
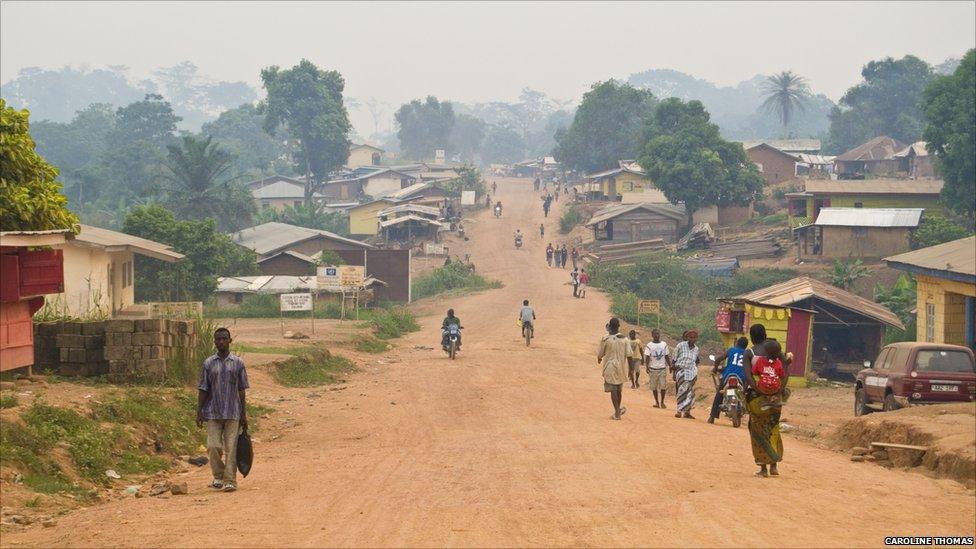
(245, 453)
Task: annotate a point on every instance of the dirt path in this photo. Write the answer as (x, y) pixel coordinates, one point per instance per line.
(509, 446)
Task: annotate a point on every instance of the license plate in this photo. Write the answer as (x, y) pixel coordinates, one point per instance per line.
(946, 388)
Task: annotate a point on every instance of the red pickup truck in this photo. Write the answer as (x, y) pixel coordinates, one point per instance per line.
(915, 373)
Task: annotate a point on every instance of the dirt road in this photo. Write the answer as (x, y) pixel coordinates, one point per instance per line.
(509, 446)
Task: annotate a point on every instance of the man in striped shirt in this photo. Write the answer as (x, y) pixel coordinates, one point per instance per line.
(220, 404)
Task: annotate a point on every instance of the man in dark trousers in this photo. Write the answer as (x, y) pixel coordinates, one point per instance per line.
(220, 404)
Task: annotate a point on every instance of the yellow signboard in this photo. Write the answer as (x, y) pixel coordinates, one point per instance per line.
(351, 276)
(649, 306)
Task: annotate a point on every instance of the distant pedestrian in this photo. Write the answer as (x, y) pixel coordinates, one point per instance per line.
(634, 362)
(584, 281)
(550, 252)
(220, 404)
(613, 354)
(685, 365)
(487, 200)
(657, 359)
(574, 278)
(535, 184)
(574, 255)
(565, 253)
(542, 230)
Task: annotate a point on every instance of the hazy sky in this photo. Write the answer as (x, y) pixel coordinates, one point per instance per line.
(485, 51)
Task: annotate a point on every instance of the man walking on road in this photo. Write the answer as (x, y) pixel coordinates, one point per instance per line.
(685, 364)
(574, 278)
(565, 256)
(634, 362)
(657, 361)
(584, 281)
(574, 255)
(550, 252)
(542, 230)
(220, 404)
(613, 354)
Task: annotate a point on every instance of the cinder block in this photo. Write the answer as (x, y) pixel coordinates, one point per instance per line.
(191, 328)
(94, 341)
(148, 338)
(49, 329)
(70, 328)
(120, 326)
(73, 370)
(70, 341)
(153, 368)
(152, 351)
(118, 339)
(120, 367)
(121, 353)
(94, 355)
(75, 355)
(93, 328)
(152, 325)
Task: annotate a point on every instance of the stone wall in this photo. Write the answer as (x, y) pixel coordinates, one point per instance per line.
(125, 350)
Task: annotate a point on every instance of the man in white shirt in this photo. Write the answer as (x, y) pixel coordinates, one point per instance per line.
(657, 358)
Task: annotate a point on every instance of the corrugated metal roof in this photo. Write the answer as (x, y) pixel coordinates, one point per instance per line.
(104, 238)
(416, 208)
(282, 189)
(874, 186)
(630, 168)
(611, 212)
(918, 148)
(815, 159)
(879, 148)
(34, 238)
(410, 217)
(958, 256)
(365, 146)
(802, 288)
(273, 236)
(267, 284)
(869, 217)
(785, 145)
(296, 255)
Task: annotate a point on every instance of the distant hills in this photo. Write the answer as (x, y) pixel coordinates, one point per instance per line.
(736, 109)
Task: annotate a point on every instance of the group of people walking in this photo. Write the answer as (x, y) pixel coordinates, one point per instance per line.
(561, 255)
(764, 380)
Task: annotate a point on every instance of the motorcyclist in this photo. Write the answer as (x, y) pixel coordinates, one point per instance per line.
(518, 237)
(448, 320)
(527, 316)
(498, 207)
(732, 366)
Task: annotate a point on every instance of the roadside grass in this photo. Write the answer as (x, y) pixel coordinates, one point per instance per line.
(393, 323)
(8, 400)
(315, 367)
(371, 344)
(569, 219)
(455, 278)
(133, 430)
(268, 349)
(772, 219)
(688, 299)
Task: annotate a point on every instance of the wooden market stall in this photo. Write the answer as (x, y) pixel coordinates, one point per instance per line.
(791, 326)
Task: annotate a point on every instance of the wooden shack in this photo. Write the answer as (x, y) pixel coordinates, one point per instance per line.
(791, 326)
(623, 223)
(870, 233)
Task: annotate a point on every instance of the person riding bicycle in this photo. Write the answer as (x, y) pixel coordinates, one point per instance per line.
(732, 367)
(448, 320)
(527, 316)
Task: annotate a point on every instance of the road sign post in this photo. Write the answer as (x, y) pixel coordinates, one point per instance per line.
(296, 302)
(649, 306)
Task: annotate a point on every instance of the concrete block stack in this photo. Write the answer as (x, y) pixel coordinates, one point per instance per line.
(140, 349)
(70, 348)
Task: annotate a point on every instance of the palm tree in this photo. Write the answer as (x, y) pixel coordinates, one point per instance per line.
(198, 183)
(785, 93)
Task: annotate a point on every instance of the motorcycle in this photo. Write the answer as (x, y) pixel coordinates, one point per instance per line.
(498, 211)
(733, 402)
(452, 337)
(518, 242)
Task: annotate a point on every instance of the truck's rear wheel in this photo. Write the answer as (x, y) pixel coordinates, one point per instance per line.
(861, 403)
(890, 404)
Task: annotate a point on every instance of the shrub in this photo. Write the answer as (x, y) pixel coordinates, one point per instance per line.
(451, 277)
(936, 230)
(8, 401)
(316, 367)
(393, 323)
(569, 219)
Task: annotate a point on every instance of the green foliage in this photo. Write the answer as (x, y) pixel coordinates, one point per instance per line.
(772, 219)
(241, 132)
(424, 127)
(329, 258)
(30, 199)
(469, 179)
(606, 127)
(570, 218)
(371, 344)
(688, 299)
(502, 145)
(308, 102)
(208, 254)
(313, 216)
(185, 370)
(8, 400)
(844, 274)
(886, 102)
(198, 184)
(169, 414)
(467, 134)
(688, 160)
(454, 277)
(900, 299)
(950, 133)
(785, 93)
(935, 230)
(393, 323)
(316, 367)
